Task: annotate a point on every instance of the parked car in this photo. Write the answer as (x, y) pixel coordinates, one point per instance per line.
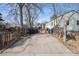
(32, 30)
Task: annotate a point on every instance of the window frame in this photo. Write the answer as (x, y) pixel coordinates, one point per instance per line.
(77, 22)
(68, 22)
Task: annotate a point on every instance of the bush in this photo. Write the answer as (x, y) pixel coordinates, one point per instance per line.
(11, 29)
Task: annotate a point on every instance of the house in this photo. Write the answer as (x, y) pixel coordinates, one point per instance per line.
(72, 19)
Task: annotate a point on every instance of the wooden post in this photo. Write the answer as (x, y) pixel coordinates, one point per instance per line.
(64, 37)
(2, 39)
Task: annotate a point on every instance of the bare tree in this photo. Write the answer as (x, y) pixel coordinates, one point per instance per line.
(13, 13)
(33, 11)
(21, 12)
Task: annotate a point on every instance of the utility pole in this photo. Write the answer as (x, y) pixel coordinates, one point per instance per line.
(54, 13)
(54, 10)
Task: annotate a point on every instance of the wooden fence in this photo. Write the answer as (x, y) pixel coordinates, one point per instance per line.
(7, 38)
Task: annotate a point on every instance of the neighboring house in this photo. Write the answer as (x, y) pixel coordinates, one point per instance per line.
(72, 18)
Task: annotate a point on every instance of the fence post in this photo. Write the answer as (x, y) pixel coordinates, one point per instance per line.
(65, 28)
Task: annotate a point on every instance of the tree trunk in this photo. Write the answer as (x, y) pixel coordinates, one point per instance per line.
(21, 17)
(29, 17)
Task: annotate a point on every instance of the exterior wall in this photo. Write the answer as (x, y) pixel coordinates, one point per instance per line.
(73, 23)
(61, 20)
(65, 18)
(48, 25)
(53, 23)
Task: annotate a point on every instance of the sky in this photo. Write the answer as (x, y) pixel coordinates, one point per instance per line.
(61, 8)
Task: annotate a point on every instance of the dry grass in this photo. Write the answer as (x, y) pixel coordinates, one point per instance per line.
(72, 44)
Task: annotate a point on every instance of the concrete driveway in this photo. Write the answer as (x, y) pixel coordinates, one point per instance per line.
(38, 44)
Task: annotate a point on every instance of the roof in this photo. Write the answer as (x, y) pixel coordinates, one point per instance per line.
(69, 13)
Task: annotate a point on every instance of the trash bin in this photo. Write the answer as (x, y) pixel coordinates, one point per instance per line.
(50, 31)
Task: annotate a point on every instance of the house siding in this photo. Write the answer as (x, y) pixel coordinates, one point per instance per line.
(71, 16)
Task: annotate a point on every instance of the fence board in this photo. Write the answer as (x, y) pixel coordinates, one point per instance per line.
(8, 38)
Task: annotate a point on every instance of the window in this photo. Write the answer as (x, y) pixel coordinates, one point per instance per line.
(77, 22)
(52, 23)
(68, 22)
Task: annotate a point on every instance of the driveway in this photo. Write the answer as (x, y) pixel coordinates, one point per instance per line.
(38, 44)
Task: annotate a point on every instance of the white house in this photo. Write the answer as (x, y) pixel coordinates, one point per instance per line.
(72, 18)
